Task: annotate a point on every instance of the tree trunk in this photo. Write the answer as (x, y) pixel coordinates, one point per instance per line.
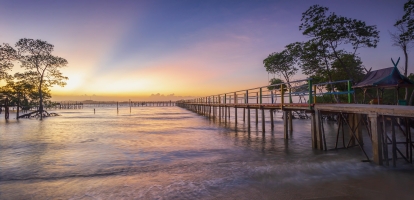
(405, 71)
(40, 100)
(411, 99)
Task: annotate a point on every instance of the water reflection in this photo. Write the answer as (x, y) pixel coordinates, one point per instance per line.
(168, 153)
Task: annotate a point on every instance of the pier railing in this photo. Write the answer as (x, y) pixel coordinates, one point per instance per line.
(295, 93)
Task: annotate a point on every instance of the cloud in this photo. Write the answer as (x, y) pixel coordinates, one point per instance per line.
(157, 95)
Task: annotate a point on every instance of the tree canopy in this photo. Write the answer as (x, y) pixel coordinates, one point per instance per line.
(7, 56)
(42, 68)
(408, 21)
(274, 81)
(331, 34)
(283, 63)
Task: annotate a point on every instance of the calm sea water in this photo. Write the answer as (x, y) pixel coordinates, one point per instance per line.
(172, 153)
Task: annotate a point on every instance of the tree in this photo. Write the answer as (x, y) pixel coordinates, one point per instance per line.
(315, 61)
(23, 93)
(354, 63)
(42, 68)
(332, 33)
(408, 20)
(283, 63)
(404, 36)
(274, 81)
(7, 56)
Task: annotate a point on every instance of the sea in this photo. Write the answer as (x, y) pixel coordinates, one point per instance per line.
(173, 153)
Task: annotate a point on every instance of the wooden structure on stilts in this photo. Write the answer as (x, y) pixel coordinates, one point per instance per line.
(351, 116)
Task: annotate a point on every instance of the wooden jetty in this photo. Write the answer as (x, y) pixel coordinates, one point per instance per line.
(130, 103)
(67, 105)
(377, 119)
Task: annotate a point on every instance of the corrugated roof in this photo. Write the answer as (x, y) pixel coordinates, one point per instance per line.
(387, 77)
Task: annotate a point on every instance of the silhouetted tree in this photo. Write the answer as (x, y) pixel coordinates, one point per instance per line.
(331, 33)
(283, 63)
(404, 36)
(7, 56)
(408, 20)
(41, 66)
(274, 81)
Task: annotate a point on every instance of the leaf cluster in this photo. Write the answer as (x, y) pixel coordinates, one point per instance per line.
(283, 63)
(274, 81)
(408, 20)
(7, 56)
(329, 32)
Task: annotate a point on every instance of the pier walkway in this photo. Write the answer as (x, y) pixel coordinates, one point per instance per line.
(382, 122)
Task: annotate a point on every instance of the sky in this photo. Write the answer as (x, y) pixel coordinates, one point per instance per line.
(175, 49)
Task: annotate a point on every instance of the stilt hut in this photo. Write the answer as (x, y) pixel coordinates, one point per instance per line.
(387, 78)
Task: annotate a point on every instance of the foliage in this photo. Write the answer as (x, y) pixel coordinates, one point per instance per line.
(315, 61)
(283, 63)
(24, 93)
(354, 63)
(42, 68)
(274, 81)
(408, 21)
(7, 56)
(330, 32)
(323, 67)
(404, 36)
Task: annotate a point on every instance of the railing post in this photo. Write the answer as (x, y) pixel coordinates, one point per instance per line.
(310, 93)
(235, 98)
(260, 95)
(247, 97)
(225, 98)
(349, 91)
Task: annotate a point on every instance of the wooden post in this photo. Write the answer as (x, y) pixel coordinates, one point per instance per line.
(290, 122)
(256, 110)
(318, 130)
(310, 93)
(285, 124)
(225, 108)
(394, 143)
(219, 108)
(248, 117)
(261, 95)
(117, 109)
(257, 116)
(313, 131)
(244, 114)
(314, 96)
(358, 131)
(376, 138)
(235, 108)
(271, 119)
(235, 114)
(18, 107)
(349, 91)
(352, 124)
(263, 120)
(6, 108)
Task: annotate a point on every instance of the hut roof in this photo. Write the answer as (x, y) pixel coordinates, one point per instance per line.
(383, 78)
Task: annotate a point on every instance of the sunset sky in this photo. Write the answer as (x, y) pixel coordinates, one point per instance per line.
(119, 50)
